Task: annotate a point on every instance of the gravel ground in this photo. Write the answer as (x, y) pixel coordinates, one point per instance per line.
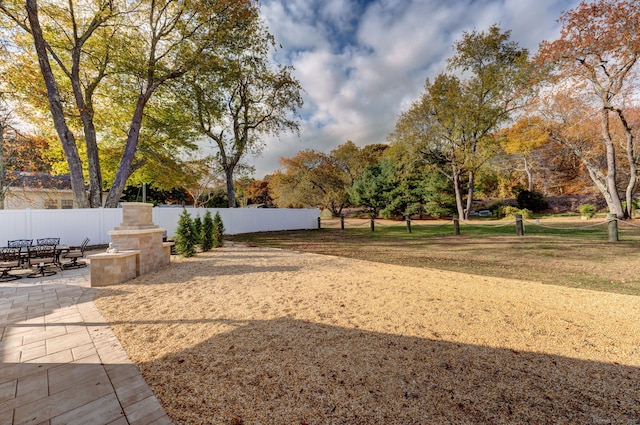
(246, 335)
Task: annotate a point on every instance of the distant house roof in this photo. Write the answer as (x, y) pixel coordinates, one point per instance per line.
(40, 181)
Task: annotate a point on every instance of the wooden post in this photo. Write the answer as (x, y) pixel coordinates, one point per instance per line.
(319, 227)
(612, 221)
(456, 225)
(519, 225)
(373, 225)
(408, 224)
(341, 222)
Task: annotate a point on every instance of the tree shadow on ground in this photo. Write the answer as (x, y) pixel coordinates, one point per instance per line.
(287, 371)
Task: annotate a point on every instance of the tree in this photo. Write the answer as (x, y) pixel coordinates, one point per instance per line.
(354, 161)
(207, 232)
(137, 48)
(19, 153)
(374, 190)
(311, 179)
(241, 97)
(197, 229)
(596, 59)
(218, 230)
(451, 126)
(317, 179)
(257, 192)
(32, 25)
(421, 189)
(4, 127)
(200, 176)
(186, 238)
(521, 140)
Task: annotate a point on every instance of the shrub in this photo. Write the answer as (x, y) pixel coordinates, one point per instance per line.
(197, 228)
(530, 200)
(218, 231)
(507, 211)
(207, 232)
(185, 235)
(588, 210)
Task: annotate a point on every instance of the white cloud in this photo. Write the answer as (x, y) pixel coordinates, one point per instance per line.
(362, 62)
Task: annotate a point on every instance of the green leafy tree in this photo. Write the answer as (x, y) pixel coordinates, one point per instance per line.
(218, 231)
(316, 179)
(421, 190)
(207, 232)
(451, 126)
(240, 98)
(123, 53)
(186, 238)
(311, 179)
(374, 190)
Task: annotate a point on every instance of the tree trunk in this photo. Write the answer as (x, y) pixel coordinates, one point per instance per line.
(470, 191)
(529, 171)
(458, 193)
(231, 193)
(612, 187)
(633, 176)
(85, 109)
(633, 165)
(126, 163)
(2, 187)
(66, 136)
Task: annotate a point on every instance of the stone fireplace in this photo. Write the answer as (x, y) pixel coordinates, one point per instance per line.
(137, 248)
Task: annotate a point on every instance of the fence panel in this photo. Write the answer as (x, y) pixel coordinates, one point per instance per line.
(73, 225)
(243, 220)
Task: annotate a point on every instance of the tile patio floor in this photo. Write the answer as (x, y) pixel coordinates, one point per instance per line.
(59, 361)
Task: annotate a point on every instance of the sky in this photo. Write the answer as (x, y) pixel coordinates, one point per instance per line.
(362, 62)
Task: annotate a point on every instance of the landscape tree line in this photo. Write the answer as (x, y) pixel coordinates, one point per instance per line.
(497, 122)
(506, 123)
(130, 86)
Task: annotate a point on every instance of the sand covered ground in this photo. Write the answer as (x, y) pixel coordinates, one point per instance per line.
(246, 335)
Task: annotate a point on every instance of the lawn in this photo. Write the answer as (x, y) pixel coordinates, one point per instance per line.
(562, 251)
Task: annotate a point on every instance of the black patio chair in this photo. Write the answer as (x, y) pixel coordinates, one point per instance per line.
(9, 259)
(23, 244)
(48, 241)
(73, 254)
(42, 256)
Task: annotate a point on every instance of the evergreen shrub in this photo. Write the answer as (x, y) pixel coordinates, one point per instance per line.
(218, 231)
(207, 232)
(185, 235)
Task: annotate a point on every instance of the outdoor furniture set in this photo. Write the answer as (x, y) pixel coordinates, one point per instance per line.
(46, 253)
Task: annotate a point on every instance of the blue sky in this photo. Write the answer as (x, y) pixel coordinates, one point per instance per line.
(361, 62)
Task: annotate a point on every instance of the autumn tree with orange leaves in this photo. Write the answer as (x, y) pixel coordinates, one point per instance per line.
(593, 71)
(521, 140)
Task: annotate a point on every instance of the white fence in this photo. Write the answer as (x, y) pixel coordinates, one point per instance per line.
(73, 225)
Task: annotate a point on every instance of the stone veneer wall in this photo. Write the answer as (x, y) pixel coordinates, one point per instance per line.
(148, 242)
(140, 247)
(110, 269)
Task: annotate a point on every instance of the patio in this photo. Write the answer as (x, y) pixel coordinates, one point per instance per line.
(59, 361)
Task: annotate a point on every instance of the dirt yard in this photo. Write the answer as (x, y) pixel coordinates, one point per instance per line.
(246, 335)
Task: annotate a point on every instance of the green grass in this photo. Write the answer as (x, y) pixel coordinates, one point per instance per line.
(572, 254)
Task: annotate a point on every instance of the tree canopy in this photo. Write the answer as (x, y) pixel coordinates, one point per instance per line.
(452, 125)
(593, 66)
(102, 63)
(239, 96)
